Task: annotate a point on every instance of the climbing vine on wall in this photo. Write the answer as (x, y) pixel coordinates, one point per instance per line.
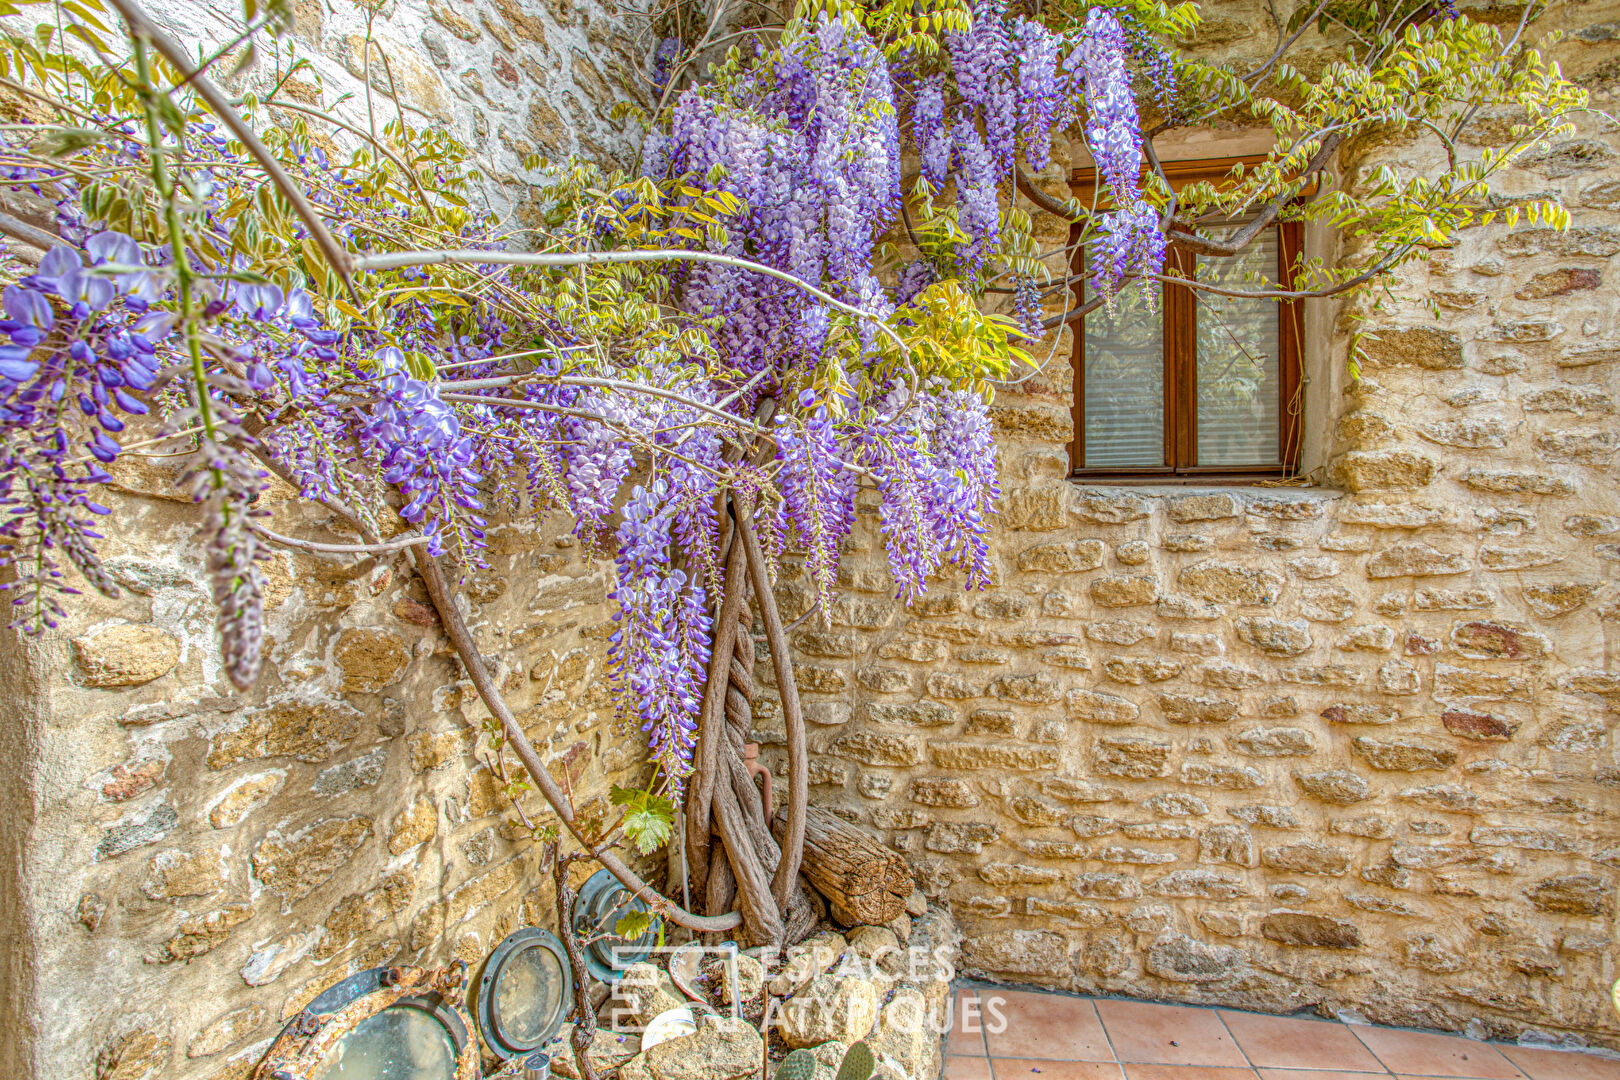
(703, 362)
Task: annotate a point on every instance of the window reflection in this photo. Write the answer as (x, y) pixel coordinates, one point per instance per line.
(402, 1042)
(528, 993)
(1239, 359)
(1124, 383)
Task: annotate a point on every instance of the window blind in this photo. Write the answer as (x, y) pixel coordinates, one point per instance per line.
(1124, 384)
(1240, 360)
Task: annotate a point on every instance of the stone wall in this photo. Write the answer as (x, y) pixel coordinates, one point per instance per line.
(196, 864)
(1342, 747)
(183, 867)
(1346, 747)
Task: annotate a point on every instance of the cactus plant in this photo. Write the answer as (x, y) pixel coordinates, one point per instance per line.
(858, 1064)
(799, 1065)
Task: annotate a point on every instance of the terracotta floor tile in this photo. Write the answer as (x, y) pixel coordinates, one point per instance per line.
(1420, 1053)
(1031, 1069)
(1185, 1072)
(1560, 1064)
(1284, 1042)
(967, 1068)
(1051, 1026)
(1322, 1074)
(966, 1032)
(1169, 1035)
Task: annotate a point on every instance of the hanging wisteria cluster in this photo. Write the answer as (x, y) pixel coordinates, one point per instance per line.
(1133, 241)
(550, 404)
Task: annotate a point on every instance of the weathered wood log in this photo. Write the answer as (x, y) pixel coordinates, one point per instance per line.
(851, 867)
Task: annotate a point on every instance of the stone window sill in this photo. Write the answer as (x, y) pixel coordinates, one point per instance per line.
(1236, 488)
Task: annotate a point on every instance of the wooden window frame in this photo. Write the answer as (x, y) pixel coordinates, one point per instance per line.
(1179, 313)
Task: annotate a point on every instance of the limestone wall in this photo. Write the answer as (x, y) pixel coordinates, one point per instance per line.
(1348, 747)
(197, 864)
(183, 867)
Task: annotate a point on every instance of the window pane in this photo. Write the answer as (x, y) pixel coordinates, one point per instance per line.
(1239, 360)
(1124, 384)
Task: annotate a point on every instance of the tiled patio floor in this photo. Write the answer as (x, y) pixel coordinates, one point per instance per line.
(1058, 1037)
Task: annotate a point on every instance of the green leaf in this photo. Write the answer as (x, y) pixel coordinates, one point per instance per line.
(632, 924)
(65, 141)
(648, 818)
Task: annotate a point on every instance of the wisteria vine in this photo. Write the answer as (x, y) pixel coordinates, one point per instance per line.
(565, 388)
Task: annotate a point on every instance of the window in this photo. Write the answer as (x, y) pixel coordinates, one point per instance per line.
(1200, 387)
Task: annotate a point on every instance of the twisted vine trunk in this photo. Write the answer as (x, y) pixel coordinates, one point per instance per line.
(733, 858)
(744, 875)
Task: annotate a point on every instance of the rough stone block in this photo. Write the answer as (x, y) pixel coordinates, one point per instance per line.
(370, 659)
(1231, 583)
(310, 731)
(1215, 507)
(1385, 470)
(1551, 600)
(1403, 755)
(1275, 637)
(359, 772)
(1040, 953)
(1307, 857)
(1227, 844)
(1266, 817)
(1131, 757)
(1177, 804)
(1506, 482)
(1007, 874)
(1414, 559)
(175, 874)
(1119, 631)
(1099, 886)
(1334, 786)
(1122, 591)
(118, 839)
(1223, 776)
(1065, 789)
(1179, 958)
(417, 824)
(1110, 508)
(1572, 894)
(1184, 709)
(1361, 712)
(1135, 672)
(1198, 885)
(125, 654)
(1063, 557)
(1509, 559)
(1037, 689)
(1313, 931)
(295, 866)
(966, 838)
(1275, 742)
(1097, 707)
(978, 756)
(875, 748)
(1418, 346)
(943, 791)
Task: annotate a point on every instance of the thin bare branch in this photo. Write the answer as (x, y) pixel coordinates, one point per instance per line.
(337, 549)
(396, 260)
(141, 26)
